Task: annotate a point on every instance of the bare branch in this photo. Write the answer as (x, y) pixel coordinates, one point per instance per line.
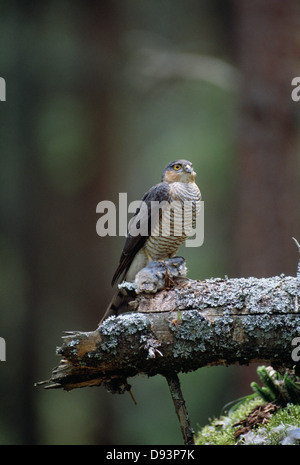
(179, 404)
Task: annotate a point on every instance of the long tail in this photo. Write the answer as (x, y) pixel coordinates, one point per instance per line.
(117, 305)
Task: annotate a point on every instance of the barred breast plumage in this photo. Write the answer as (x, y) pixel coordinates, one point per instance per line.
(177, 221)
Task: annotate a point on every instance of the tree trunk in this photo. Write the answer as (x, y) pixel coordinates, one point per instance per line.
(267, 194)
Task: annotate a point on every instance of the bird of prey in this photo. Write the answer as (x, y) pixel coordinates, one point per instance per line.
(159, 226)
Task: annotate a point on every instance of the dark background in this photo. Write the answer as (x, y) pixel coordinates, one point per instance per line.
(100, 97)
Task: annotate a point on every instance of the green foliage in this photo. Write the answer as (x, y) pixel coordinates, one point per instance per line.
(279, 388)
(283, 426)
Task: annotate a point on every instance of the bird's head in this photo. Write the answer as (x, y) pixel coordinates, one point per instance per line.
(179, 171)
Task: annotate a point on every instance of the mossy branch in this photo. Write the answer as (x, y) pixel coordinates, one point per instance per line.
(191, 325)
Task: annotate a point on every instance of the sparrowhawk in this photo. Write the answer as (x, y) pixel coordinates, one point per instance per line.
(161, 224)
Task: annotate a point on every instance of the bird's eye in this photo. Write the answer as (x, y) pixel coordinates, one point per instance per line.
(177, 167)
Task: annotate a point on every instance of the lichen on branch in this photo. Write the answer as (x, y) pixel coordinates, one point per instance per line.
(189, 325)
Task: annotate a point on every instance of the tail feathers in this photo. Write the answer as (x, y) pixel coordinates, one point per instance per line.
(118, 304)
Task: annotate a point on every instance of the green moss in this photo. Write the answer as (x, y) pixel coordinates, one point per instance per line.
(220, 430)
(283, 427)
(282, 422)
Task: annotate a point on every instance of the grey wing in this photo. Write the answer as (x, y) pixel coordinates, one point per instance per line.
(140, 225)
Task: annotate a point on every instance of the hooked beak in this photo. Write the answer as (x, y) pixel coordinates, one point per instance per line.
(189, 169)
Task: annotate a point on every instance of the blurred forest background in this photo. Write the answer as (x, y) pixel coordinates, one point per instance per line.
(101, 95)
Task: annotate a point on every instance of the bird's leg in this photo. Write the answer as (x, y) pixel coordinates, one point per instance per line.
(169, 282)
